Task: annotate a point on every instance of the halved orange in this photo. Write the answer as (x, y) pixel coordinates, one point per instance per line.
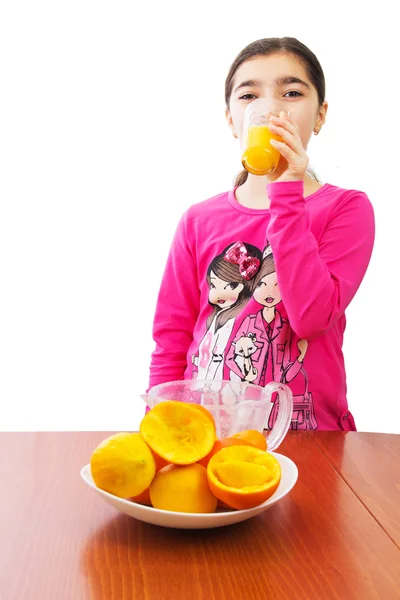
(253, 437)
(243, 476)
(203, 410)
(178, 432)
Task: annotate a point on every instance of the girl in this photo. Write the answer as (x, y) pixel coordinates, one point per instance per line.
(229, 293)
(321, 235)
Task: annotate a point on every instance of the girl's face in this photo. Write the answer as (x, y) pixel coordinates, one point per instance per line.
(281, 77)
(267, 291)
(223, 293)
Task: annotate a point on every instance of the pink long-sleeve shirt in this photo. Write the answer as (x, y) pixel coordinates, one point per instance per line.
(286, 322)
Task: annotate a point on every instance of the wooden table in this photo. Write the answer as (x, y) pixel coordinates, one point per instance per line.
(336, 535)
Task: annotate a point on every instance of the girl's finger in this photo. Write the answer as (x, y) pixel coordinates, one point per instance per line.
(284, 121)
(291, 156)
(289, 117)
(287, 126)
(294, 143)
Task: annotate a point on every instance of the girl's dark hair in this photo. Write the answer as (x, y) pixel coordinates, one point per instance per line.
(230, 273)
(285, 45)
(267, 267)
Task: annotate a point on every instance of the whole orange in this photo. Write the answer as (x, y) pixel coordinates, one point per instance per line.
(182, 489)
(144, 497)
(123, 465)
(253, 437)
(219, 444)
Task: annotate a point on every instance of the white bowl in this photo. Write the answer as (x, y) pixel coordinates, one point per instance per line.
(180, 520)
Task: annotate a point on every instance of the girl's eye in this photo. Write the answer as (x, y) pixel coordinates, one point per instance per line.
(293, 92)
(212, 286)
(232, 286)
(248, 97)
(261, 284)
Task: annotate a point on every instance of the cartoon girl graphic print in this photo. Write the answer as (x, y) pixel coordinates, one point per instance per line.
(231, 281)
(260, 352)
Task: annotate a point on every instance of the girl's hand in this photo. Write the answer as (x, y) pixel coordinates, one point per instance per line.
(291, 148)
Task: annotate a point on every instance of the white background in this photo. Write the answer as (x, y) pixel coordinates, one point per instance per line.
(112, 124)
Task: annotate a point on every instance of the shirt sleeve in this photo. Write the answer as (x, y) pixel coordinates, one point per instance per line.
(176, 312)
(317, 281)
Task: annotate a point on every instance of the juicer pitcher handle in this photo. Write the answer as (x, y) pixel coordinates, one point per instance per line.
(285, 411)
(148, 400)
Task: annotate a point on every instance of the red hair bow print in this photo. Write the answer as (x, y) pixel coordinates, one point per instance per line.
(248, 265)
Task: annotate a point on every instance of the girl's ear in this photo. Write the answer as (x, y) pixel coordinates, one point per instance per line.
(321, 118)
(230, 123)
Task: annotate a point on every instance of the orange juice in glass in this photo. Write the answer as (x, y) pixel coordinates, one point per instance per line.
(259, 157)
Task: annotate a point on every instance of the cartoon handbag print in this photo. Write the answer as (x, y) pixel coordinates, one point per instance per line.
(303, 410)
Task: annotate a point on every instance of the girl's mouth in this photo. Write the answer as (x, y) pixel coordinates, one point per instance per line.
(269, 300)
(221, 301)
